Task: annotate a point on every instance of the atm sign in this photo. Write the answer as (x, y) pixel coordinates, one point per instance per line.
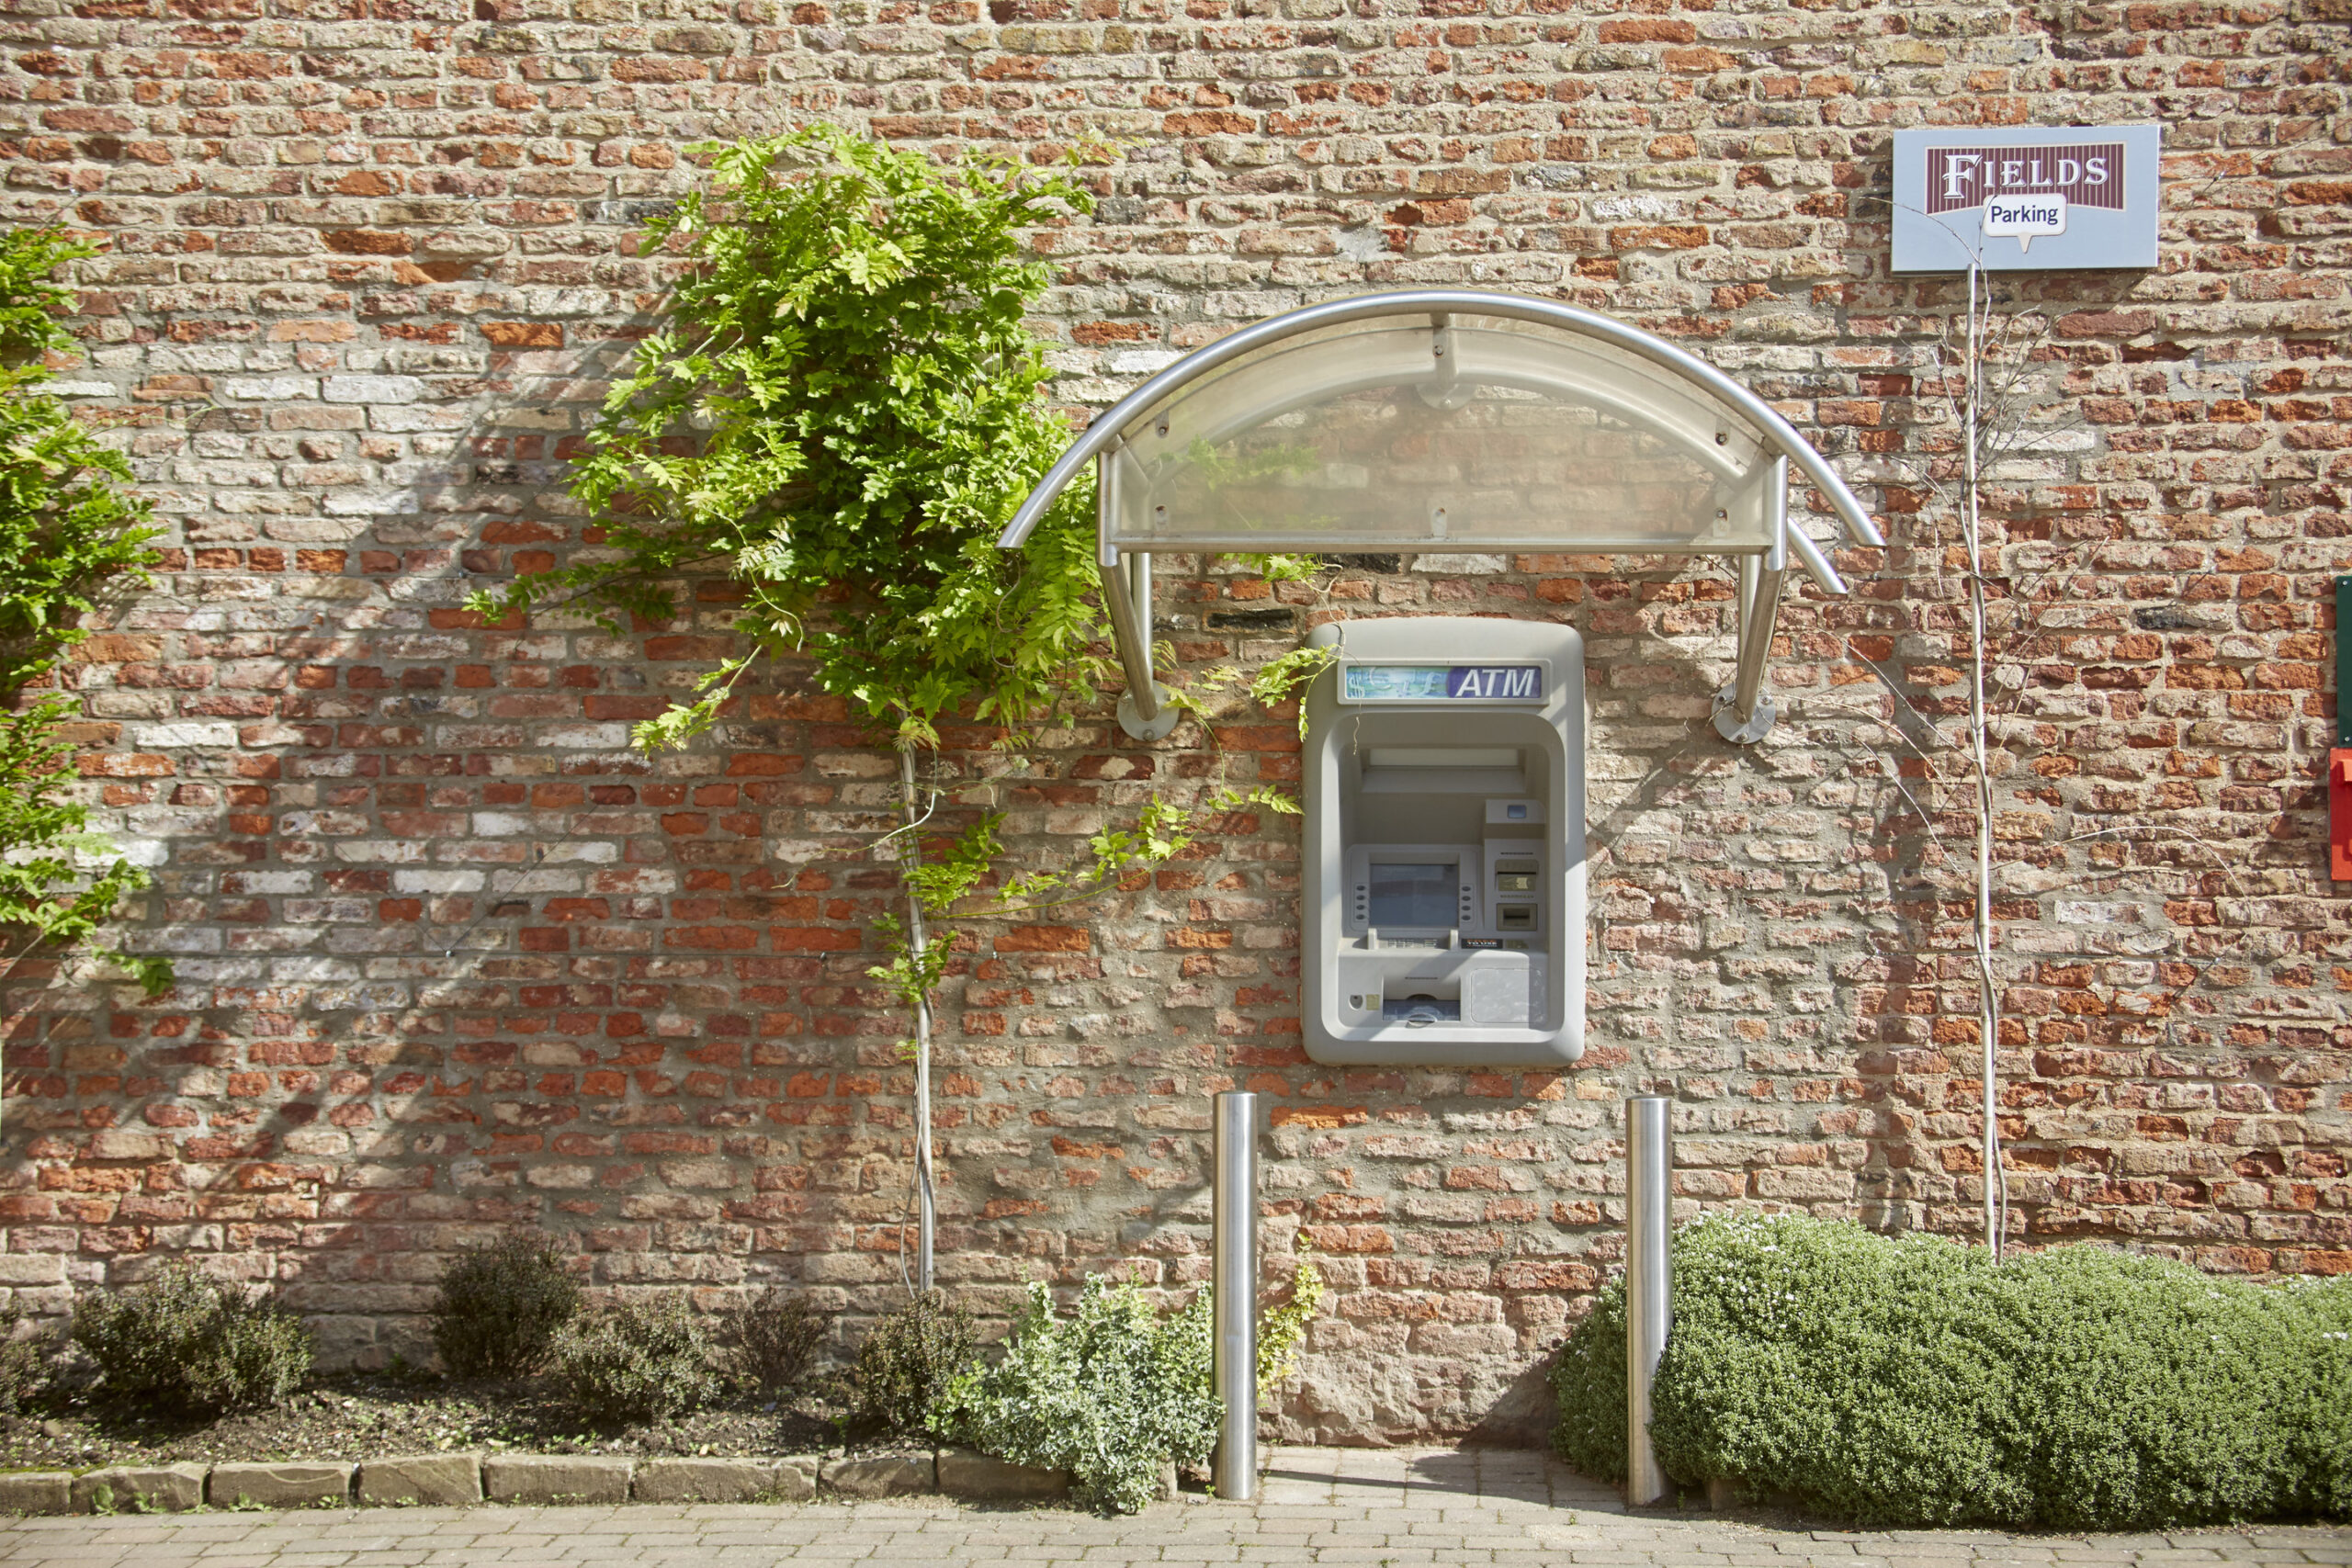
(1507, 682)
(1442, 683)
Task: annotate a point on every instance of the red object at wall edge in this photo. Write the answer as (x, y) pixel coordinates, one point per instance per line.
(2339, 814)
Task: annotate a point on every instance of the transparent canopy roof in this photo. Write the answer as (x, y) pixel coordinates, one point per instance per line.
(1398, 431)
(1444, 419)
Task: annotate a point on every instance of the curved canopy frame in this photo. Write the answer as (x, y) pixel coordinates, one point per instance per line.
(1447, 420)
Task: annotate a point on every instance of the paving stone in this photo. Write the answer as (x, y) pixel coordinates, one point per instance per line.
(703, 1480)
(170, 1487)
(555, 1478)
(1485, 1513)
(278, 1485)
(36, 1492)
(422, 1479)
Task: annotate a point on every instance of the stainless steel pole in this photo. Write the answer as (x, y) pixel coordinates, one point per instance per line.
(1650, 1282)
(926, 1201)
(1234, 1348)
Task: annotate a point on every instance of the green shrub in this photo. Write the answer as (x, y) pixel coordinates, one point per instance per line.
(2151, 1394)
(1110, 1395)
(190, 1343)
(1589, 1386)
(1854, 1370)
(501, 1307)
(907, 1360)
(1911, 1381)
(637, 1361)
(24, 1362)
(772, 1341)
(2324, 1424)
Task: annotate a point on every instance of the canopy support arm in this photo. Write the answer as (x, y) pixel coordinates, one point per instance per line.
(1743, 713)
(1126, 593)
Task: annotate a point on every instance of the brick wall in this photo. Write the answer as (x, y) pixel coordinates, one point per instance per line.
(452, 956)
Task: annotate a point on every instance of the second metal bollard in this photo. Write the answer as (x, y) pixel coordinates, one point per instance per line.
(1233, 1245)
(1649, 1281)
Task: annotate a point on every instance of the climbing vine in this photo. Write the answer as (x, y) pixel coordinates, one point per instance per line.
(66, 527)
(953, 870)
(841, 409)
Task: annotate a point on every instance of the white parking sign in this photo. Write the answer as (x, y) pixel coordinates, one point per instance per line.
(2040, 199)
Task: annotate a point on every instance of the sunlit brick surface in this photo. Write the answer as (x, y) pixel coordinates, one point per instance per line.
(368, 267)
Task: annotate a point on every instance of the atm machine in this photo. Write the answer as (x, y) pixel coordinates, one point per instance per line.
(1445, 912)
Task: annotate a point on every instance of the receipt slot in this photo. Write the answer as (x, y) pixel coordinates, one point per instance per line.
(1444, 911)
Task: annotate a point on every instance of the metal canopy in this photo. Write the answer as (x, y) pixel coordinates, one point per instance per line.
(1446, 420)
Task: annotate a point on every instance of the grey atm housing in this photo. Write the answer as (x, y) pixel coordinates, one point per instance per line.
(1445, 919)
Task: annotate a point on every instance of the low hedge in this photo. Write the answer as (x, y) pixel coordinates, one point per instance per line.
(1911, 1381)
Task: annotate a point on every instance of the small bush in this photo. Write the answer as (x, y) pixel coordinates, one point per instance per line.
(1911, 1381)
(1110, 1395)
(907, 1361)
(772, 1341)
(501, 1307)
(2322, 1419)
(190, 1343)
(24, 1362)
(1588, 1385)
(637, 1361)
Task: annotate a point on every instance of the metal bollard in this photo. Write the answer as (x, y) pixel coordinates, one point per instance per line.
(1234, 1348)
(1650, 1282)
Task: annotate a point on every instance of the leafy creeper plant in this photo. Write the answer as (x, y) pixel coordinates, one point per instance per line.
(950, 871)
(841, 410)
(1282, 1330)
(1278, 681)
(67, 527)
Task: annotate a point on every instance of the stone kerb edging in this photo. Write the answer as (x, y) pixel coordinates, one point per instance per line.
(456, 1479)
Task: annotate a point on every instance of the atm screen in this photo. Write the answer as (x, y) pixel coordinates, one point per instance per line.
(1421, 893)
